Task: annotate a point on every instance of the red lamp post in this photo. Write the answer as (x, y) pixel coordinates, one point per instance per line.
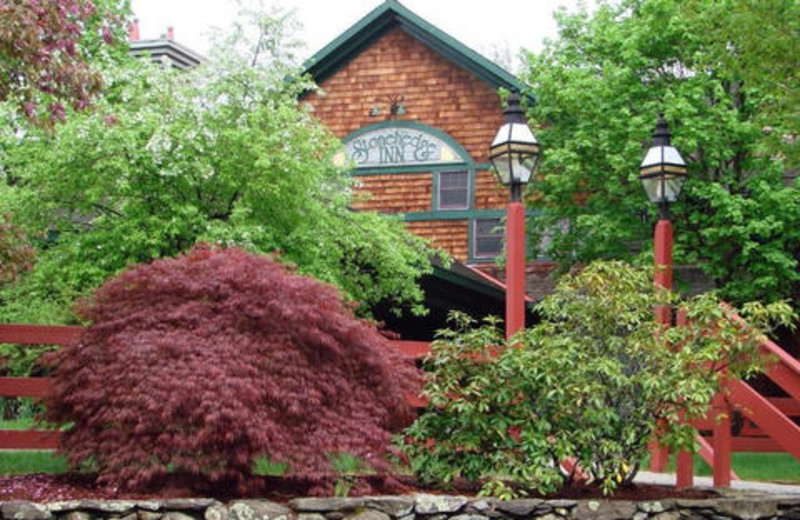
(663, 172)
(514, 154)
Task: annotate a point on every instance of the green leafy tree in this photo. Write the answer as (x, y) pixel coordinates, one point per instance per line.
(758, 42)
(594, 380)
(220, 154)
(599, 87)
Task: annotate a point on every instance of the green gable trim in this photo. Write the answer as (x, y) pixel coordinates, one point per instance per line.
(389, 14)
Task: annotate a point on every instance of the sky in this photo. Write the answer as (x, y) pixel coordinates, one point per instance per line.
(484, 25)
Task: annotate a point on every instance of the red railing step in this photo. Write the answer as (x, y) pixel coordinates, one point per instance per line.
(29, 439)
(24, 386)
(39, 334)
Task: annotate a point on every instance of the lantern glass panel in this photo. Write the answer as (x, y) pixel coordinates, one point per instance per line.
(663, 188)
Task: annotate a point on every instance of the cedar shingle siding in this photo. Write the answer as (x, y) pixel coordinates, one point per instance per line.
(436, 93)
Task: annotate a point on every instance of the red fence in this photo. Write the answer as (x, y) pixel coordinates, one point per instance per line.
(37, 386)
(31, 386)
(770, 425)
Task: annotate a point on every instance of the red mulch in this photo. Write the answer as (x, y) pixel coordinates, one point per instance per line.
(50, 488)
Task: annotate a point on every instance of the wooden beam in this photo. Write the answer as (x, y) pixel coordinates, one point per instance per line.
(29, 440)
(414, 349)
(24, 386)
(768, 417)
(39, 334)
(785, 376)
(756, 444)
(706, 453)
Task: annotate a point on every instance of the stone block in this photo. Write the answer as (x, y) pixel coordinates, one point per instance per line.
(310, 516)
(109, 507)
(187, 504)
(395, 507)
(177, 515)
(324, 505)
(469, 517)
(78, 515)
(368, 514)
(519, 507)
(792, 514)
(604, 510)
(63, 506)
(667, 515)
(748, 509)
(216, 512)
(434, 504)
(148, 505)
(258, 510)
(21, 510)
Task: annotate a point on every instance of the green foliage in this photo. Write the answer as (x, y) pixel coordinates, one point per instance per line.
(220, 154)
(266, 467)
(20, 409)
(348, 467)
(599, 87)
(592, 381)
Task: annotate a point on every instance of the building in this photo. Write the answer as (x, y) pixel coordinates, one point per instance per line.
(417, 110)
(162, 50)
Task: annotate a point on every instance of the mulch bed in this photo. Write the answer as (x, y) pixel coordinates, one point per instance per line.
(51, 488)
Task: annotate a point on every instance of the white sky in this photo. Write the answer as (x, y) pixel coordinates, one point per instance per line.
(482, 25)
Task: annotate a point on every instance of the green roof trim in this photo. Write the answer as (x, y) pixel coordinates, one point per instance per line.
(389, 14)
(473, 284)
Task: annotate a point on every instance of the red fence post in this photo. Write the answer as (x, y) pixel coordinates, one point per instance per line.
(685, 459)
(685, 468)
(659, 455)
(515, 268)
(721, 415)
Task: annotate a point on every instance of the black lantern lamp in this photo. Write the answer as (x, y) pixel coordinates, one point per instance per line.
(663, 170)
(514, 151)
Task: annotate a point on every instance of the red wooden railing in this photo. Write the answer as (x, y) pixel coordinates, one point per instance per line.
(28, 335)
(771, 427)
(771, 424)
(31, 386)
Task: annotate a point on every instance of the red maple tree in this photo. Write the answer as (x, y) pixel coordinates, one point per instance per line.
(199, 365)
(46, 50)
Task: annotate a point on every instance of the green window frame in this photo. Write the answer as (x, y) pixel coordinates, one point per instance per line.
(488, 235)
(453, 191)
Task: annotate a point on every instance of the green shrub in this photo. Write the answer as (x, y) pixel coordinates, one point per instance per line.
(592, 381)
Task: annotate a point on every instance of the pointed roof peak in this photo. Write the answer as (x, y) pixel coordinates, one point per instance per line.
(389, 14)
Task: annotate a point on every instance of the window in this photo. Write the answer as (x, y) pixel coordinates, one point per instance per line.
(454, 190)
(488, 237)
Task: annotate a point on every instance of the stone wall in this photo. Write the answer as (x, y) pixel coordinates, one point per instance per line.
(410, 507)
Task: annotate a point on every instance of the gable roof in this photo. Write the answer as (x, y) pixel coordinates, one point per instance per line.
(388, 15)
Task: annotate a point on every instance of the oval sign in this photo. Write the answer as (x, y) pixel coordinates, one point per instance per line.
(397, 146)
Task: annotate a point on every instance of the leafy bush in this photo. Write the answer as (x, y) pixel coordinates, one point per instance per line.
(219, 361)
(592, 381)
